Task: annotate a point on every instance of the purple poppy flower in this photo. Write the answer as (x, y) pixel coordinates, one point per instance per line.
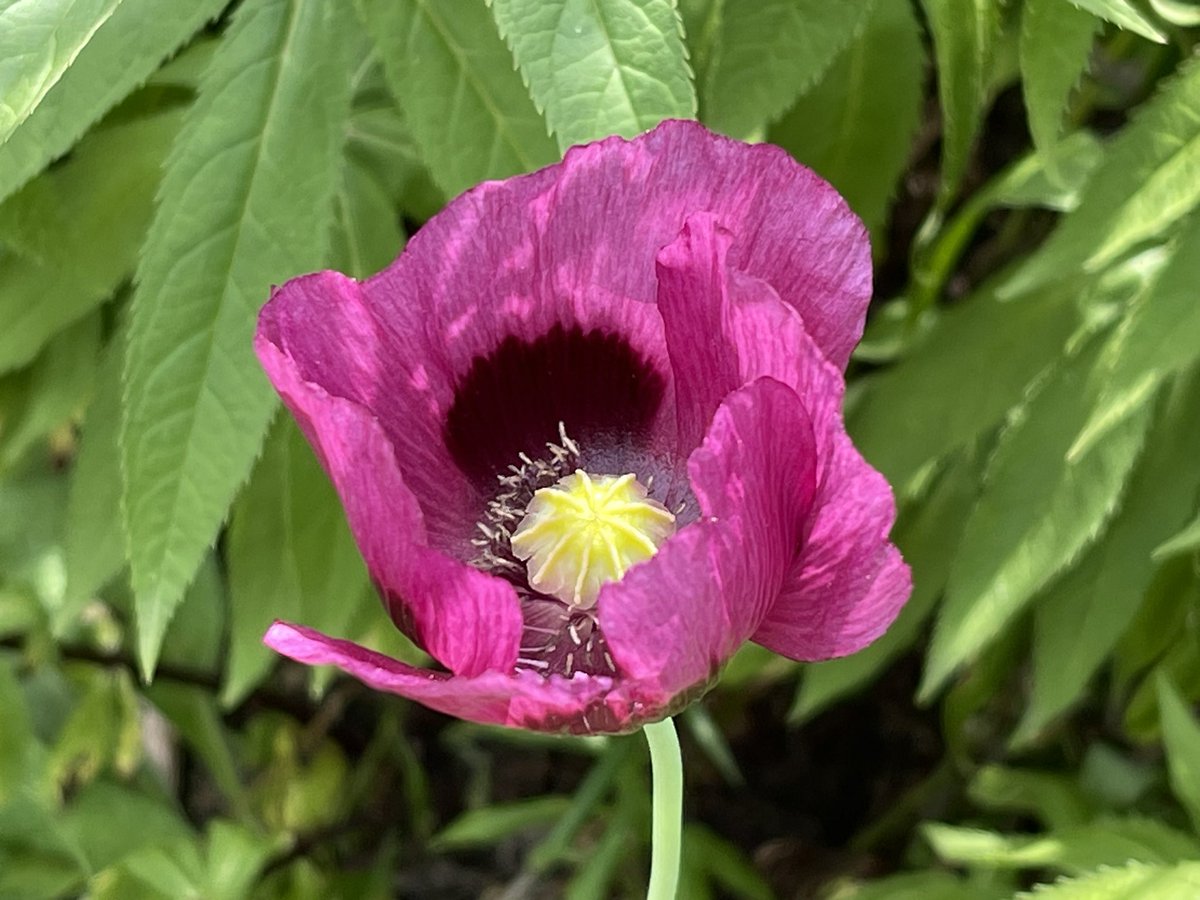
(587, 430)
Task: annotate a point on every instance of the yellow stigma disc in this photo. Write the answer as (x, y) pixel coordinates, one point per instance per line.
(585, 531)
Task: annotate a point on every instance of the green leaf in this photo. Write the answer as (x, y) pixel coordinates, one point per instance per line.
(1056, 41)
(55, 387)
(964, 41)
(1156, 338)
(856, 126)
(1036, 513)
(94, 542)
(236, 856)
(246, 202)
(960, 380)
(16, 737)
(119, 57)
(1055, 799)
(599, 67)
(767, 52)
(1124, 14)
(39, 39)
(1084, 848)
(488, 825)
(85, 220)
(1080, 621)
(1181, 736)
(724, 863)
(367, 234)
(453, 77)
(1146, 183)
(1187, 540)
(291, 556)
(1135, 881)
(926, 535)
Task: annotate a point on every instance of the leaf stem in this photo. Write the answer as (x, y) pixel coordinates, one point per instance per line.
(667, 770)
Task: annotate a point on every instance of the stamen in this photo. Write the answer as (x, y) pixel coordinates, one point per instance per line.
(585, 531)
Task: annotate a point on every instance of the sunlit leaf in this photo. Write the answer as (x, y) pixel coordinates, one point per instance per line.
(1037, 512)
(855, 127)
(453, 76)
(246, 202)
(766, 52)
(599, 67)
(39, 39)
(121, 54)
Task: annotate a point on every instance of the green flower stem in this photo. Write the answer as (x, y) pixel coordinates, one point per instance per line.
(667, 770)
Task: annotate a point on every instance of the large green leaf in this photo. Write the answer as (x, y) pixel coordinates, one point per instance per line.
(245, 203)
(1079, 623)
(599, 67)
(964, 37)
(960, 380)
(39, 39)
(367, 234)
(83, 222)
(1036, 513)
(1156, 338)
(766, 52)
(1146, 183)
(453, 76)
(120, 56)
(291, 556)
(1056, 40)
(856, 126)
(1124, 14)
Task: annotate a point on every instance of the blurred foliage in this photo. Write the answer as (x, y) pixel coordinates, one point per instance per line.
(1029, 382)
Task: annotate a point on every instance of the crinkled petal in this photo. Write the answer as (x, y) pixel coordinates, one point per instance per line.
(672, 621)
(582, 704)
(848, 582)
(468, 620)
(322, 330)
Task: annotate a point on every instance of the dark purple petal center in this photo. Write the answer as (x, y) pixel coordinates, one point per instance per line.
(513, 400)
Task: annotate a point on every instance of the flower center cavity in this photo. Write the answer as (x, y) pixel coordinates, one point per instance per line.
(586, 530)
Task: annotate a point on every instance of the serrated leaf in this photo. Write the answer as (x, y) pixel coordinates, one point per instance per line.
(766, 52)
(124, 51)
(39, 39)
(94, 543)
(291, 556)
(926, 535)
(1055, 43)
(1125, 15)
(1080, 621)
(1146, 183)
(1181, 736)
(964, 36)
(1036, 513)
(1156, 338)
(85, 220)
(246, 202)
(1135, 881)
(599, 67)
(856, 126)
(960, 380)
(1076, 850)
(453, 77)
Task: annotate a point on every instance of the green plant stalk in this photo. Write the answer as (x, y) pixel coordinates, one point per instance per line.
(666, 768)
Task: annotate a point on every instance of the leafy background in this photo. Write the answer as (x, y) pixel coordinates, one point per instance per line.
(1029, 382)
